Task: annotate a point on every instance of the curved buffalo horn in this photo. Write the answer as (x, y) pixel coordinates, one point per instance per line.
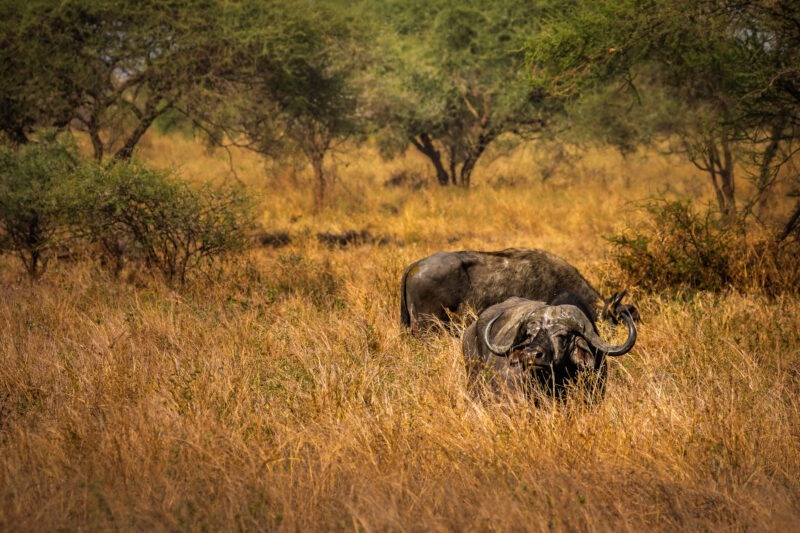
(580, 324)
(617, 299)
(611, 303)
(495, 349)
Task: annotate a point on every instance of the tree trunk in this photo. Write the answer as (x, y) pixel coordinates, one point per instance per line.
(718, 162)
(767, 174)
(315, 141)
(472, 159)
(466, 171)
(424, 144)
(727, 179)
(97, 142)
(126, 151)
(17, 136)
(792, 225)
(320, 188)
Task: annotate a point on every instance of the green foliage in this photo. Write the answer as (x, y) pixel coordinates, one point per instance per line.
(719, 77)
(33, 212)
(626, 118)
(51, 200)
(699, 48)
(108, 68)
(449, 77)
(678, 248)
(136, 213)
(675, 248)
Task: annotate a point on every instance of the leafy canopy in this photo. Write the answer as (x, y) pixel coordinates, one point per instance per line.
(450, 77)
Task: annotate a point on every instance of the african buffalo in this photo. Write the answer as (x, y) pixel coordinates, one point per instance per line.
(522, 344)
(448, 282)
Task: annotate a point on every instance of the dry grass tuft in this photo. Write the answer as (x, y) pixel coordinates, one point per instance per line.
(285, 395)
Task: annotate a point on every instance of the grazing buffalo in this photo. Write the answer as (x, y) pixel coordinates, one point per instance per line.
(524, 344)
(444, 283)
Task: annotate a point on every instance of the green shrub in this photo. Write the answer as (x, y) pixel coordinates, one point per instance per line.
(51, 199)
(148, 216)
(33, 213)
(675, 248)
(678, 248)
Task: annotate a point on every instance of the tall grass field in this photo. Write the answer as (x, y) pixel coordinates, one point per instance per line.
(284, 394)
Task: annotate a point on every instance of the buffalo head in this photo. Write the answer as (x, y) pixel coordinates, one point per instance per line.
(524, 342)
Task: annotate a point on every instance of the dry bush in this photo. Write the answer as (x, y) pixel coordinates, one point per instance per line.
(284, 395)
(678, 248)
(768, 265)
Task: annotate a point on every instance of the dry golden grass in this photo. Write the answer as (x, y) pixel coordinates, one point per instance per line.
(285, 395)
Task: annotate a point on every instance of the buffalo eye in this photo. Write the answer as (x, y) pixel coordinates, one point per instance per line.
(515, 356)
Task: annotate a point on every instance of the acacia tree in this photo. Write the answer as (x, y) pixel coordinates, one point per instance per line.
(30, 94)
(450, 79)
(313, 114)
(286, 84)
(268, 75)
(110, 68)
(729, 71)
(305, 94)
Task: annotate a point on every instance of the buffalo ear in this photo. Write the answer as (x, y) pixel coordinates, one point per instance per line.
(631, 310)
(582, 355)
(507, 332)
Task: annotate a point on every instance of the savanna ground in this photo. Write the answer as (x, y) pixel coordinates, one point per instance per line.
(284, 394)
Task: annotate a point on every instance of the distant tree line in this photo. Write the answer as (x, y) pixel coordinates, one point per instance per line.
(718, 80)
(447, 78)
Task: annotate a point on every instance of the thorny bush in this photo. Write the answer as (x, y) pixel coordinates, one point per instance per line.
(140, 214)
(32, 208)
(680, 248)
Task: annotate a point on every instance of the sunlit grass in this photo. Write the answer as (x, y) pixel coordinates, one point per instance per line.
(285, 394)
